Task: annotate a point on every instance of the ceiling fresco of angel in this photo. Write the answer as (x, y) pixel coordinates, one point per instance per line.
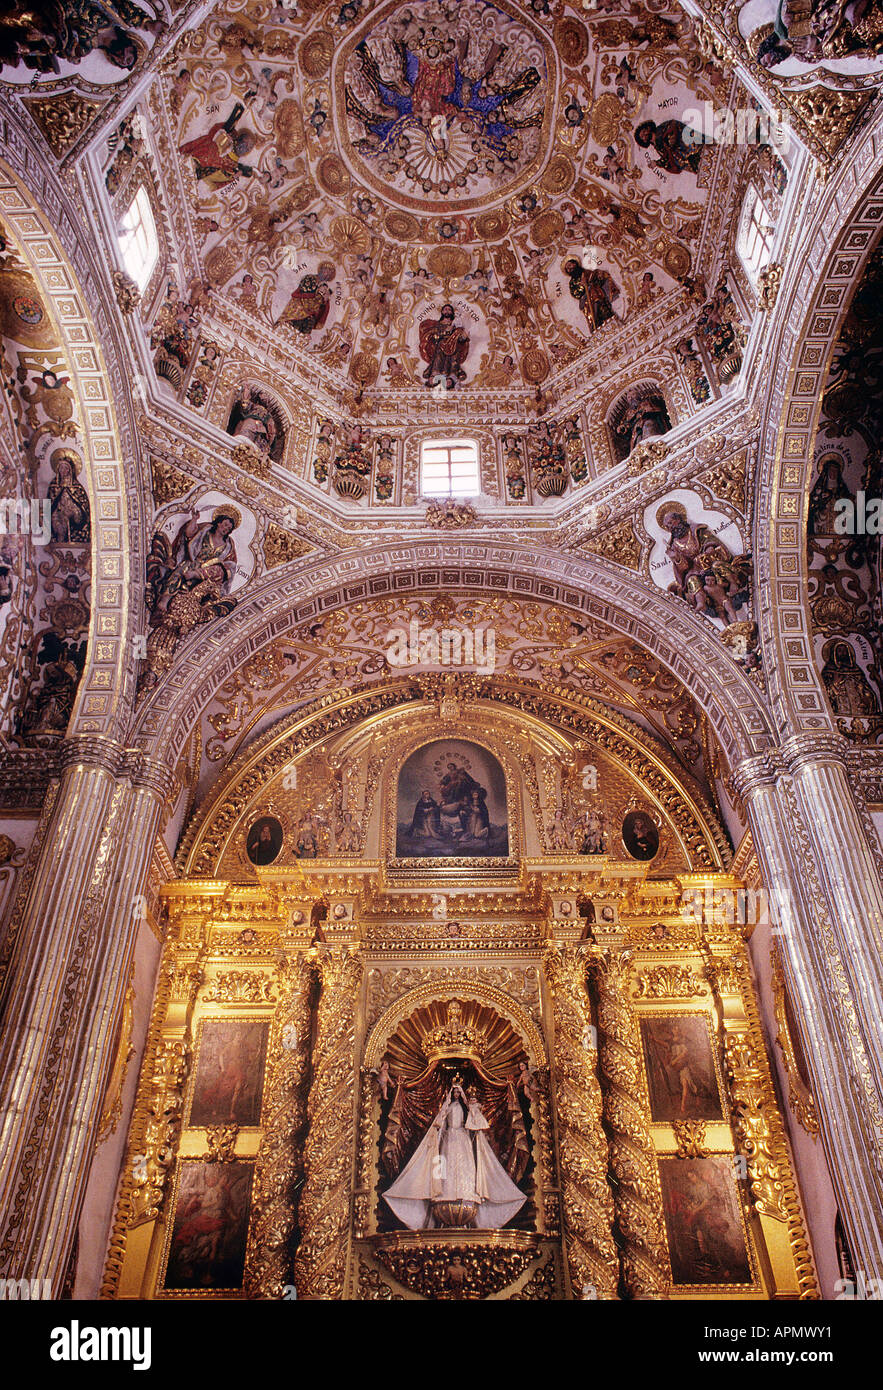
(439, 197)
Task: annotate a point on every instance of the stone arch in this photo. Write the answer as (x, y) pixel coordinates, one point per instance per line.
(630, 605)
(846, 227)
(74, 307)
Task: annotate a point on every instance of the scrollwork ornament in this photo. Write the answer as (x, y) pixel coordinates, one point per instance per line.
(279, 1166)
(750, 1100)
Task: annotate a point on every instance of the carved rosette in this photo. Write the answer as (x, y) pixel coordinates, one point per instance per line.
(632, 1156)
(279, 1166)
(324, 1216)
(751, 1099)
(587, 1200)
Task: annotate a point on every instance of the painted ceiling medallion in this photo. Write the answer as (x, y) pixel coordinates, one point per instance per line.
(442, 107)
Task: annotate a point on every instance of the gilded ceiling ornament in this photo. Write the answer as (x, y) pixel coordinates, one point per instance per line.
(493, 225)
(62, 119)
(316, 52)
(558, 174)
(571, 40)
(401, 225)
(128, 295)
(618, 543)
(349, 234)
(546, 227)
(769, 281)
(450, 515)
(333, 175)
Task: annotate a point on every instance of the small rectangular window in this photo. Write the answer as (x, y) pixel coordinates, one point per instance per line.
(139, 244)
(449, 468)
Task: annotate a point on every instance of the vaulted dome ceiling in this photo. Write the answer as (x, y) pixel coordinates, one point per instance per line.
(344, 178)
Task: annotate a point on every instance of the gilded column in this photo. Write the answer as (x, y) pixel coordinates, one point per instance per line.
(280, 1159)
(588, 1202)
(326, 1201)
(637, 1195)
(69, 954)
(822, 986)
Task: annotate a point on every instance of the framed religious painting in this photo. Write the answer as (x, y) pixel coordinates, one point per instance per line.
(205, 1250)
(228, 1079)
(451, 805)
(682, 1078)
(707, 1236)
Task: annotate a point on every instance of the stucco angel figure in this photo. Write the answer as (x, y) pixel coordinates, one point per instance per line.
(455, 1172)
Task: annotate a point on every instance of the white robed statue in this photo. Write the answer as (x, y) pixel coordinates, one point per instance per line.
(454, 1178)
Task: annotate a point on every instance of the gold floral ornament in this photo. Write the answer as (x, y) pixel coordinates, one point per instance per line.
(492, 226)
(350, 235)
(402, 226)
(609, 116)
(572, 41)
(316, 53)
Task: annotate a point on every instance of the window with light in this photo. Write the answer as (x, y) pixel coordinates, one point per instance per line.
(756, 231)
(449, 468)
(139, 243)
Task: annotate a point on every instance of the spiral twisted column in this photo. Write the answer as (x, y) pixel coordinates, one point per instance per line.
(637, 1195)
(280, 1159)
(324, 1214)
(588, 1203)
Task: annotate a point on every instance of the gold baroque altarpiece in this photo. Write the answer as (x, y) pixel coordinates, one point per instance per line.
(308, 1019)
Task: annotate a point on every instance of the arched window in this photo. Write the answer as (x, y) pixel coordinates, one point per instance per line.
(139, 243)
(449, 468)
(754, 242)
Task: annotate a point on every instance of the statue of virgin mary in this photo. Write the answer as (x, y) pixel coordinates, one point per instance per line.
(454, 1178)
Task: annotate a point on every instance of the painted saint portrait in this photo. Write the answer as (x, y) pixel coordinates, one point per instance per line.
(229, 1080)
(680, 1069)
(308, 304)
(593, 289)
(207, 1248)
(217, 154)
(69, 503)
(264, 840)
(444, 347)
(257, 419)
(451, 801)
(703, 1220)
(640, 836)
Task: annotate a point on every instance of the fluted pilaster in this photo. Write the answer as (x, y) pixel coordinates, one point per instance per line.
(800, 818)
(69, 960)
